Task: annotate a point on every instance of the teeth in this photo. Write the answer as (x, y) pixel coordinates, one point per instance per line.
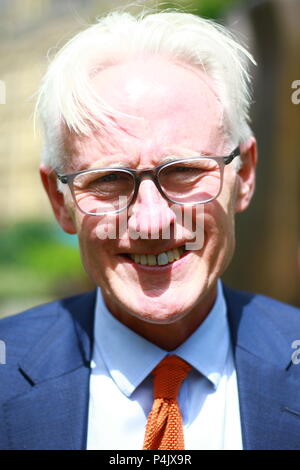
(144, 259)
(151, 260)
(136, 258)
(161, 259)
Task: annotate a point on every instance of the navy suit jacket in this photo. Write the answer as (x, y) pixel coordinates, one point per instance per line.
(44, 385)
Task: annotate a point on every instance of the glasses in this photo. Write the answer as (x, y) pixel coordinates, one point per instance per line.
(185, 181)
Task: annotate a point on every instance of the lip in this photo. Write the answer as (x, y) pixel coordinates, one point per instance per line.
(152, 252)
(158, 269)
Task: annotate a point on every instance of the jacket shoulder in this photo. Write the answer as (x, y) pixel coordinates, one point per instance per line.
(246, 308)
(268, 304)
(21, 331)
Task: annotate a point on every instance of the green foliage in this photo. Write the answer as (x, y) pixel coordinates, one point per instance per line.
(14, 241)
(207, 8)
(35, 261)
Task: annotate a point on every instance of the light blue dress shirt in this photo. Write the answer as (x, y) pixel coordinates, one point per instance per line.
(121, 392)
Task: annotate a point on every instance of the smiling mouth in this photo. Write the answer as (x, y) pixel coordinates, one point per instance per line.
(162, 259)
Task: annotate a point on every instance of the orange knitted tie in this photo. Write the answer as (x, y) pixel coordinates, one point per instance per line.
(164, 429)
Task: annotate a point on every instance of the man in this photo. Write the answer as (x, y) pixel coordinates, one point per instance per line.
(147, 138)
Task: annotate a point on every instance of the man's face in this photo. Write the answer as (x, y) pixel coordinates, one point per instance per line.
(179, 114)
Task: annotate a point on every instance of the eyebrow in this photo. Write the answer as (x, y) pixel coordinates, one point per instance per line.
(184, 153)
(170, 157)
(99, 165)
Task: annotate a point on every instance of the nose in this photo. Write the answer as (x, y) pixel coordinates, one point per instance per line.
(150, 215)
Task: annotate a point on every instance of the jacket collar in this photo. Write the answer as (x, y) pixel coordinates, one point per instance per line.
(267, 379)
(53, 413)
(71, 330)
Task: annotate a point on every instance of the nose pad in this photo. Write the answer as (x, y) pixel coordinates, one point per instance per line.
(150, 216)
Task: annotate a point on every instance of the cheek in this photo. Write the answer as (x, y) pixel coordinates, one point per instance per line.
(221, 212)
(95, 252)
(218, 220)
(219, 230)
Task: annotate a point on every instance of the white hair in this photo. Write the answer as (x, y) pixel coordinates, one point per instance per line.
(66, 99)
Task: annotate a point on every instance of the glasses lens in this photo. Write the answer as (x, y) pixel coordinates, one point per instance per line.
(98, 192)
(191, 181)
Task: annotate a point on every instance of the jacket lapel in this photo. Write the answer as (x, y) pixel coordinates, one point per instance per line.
(267, 379)
(53, 413)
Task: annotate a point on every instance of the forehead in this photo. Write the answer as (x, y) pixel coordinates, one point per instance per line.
(159, 108)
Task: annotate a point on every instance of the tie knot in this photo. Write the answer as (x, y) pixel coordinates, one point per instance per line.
(168, 376)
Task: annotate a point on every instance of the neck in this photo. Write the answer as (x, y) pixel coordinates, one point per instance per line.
(169, 336)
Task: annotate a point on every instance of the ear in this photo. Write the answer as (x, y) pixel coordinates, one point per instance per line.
(246, 174)
(57, 200)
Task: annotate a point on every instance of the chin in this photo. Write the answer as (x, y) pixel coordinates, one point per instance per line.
(164, 319)
(152, 311)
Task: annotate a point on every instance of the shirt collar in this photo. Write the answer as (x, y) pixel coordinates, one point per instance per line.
(206, 349)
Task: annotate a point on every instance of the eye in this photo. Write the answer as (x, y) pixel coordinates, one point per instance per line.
(109, 177)
(183, 168)
(95, 179)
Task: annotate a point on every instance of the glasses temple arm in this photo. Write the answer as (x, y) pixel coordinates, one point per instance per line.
(236, 152)
(62, 178)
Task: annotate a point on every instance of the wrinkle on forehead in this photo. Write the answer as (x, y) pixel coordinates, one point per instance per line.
(128, 86)
(154, 92)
